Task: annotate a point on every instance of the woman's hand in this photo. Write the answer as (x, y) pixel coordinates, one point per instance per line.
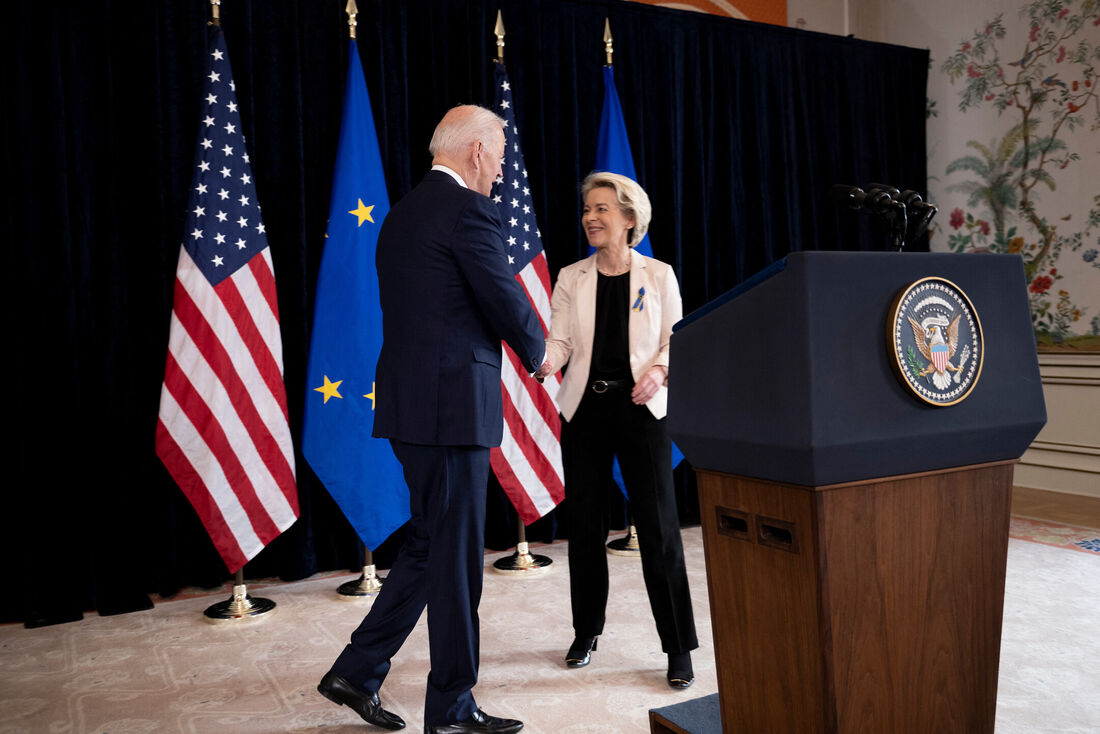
(544, 371)
(647, 387)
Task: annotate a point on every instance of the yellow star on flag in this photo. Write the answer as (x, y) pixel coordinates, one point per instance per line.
(371, 396)
(329, 389)
(363, 212)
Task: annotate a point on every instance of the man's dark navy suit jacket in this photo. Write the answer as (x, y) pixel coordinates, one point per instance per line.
(448, 299)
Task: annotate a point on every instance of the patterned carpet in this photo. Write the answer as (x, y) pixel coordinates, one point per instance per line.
(1086, 540)
(167, 670)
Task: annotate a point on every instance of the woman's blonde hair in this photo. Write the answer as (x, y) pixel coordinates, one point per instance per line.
(632, 198)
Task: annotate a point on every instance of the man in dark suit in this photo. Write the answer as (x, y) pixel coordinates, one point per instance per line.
(448, 299)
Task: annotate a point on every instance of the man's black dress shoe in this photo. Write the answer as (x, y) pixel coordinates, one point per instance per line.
(580, 652)
(478, 723)
(364, 703)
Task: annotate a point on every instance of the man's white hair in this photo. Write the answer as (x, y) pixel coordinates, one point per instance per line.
(463, 126)
(632, 198)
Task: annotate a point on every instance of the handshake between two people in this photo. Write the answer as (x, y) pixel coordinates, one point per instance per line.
(544, 371)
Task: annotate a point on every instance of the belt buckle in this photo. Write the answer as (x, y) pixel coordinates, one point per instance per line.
(599, 387)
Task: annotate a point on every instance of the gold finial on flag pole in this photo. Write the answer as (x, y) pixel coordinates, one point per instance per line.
(215, 12)
(499, 31)
(607, 45)
(352, 10)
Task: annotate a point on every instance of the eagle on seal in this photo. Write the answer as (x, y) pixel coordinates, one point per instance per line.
(929, 336)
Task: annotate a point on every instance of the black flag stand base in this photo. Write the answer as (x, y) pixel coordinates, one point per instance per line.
(240, 607)
(626, 545)
(522, 562)
(368, 584)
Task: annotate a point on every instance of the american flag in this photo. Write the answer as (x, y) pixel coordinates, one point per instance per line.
(528, 462)
(223, 431)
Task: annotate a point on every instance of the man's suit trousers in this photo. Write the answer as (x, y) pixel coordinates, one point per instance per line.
(440, 565)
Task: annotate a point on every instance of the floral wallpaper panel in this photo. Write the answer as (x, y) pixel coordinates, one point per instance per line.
(1023, 174)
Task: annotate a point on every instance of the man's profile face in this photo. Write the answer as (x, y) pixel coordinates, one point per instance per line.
(491, 155)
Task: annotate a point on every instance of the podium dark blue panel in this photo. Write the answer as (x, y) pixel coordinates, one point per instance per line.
(791, 381)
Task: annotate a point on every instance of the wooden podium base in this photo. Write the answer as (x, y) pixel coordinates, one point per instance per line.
(871, 606)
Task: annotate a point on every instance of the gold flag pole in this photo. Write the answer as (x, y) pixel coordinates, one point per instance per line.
(499, 32)
(522, 562)
(628, 544)
(240, 607)
(608, 46)
(352, 10)
(369, 583)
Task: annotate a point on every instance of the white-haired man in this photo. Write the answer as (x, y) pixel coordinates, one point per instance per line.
(448, 299)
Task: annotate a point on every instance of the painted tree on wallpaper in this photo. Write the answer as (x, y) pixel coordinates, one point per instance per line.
(1044, 91)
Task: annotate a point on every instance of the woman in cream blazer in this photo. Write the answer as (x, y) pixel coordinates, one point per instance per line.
(572, 326)
(611, 322)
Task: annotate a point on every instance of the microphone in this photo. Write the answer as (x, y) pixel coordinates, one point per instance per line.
(875, 200)
(921, 210)
(907, 211)
(893, 192)
(845, 195)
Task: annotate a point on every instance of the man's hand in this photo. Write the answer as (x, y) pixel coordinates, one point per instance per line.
(544, 371)
(647, 387)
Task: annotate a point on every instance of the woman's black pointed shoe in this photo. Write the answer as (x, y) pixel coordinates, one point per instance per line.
(580, 652)
(680, 673)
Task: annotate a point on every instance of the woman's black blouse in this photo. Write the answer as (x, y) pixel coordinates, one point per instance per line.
(611, 340)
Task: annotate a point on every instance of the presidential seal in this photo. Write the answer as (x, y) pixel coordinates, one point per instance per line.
(935, 339)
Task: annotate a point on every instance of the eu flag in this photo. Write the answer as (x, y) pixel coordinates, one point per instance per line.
(612, 146)
(613, 155)
(359, 471)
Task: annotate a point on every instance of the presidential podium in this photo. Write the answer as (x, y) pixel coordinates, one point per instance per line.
(855, 531)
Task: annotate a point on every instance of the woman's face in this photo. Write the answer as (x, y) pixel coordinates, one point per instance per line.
(603, 220)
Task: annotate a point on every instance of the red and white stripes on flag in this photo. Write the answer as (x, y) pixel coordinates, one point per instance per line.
(528, 462)
(939, 356)
(223, 431)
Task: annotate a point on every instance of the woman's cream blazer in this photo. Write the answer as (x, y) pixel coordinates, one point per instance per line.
(573, 324)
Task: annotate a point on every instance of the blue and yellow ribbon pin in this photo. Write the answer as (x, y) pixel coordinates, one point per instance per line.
(639, 302)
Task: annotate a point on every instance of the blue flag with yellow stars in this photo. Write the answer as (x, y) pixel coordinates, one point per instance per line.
(613, 155)
(613, 146)
(359, 471)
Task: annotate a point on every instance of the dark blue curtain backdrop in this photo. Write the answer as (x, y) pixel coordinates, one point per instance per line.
(738, 130)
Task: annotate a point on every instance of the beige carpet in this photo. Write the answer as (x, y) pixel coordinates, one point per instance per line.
(167, 670)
